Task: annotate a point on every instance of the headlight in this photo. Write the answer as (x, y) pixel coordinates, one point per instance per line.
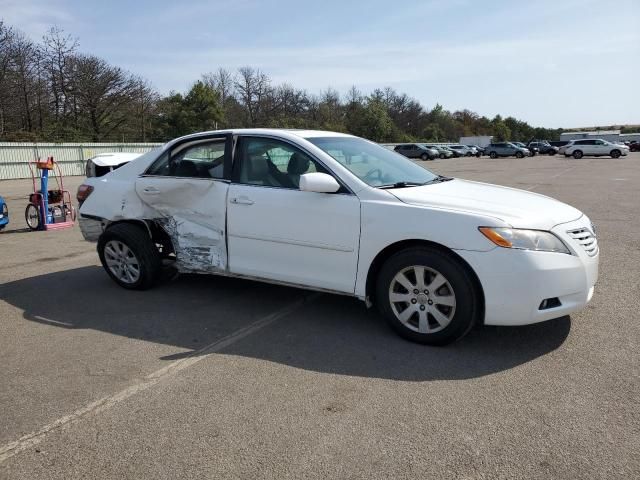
(525, 239)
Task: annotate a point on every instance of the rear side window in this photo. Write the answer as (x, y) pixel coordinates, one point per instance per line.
(204, 159)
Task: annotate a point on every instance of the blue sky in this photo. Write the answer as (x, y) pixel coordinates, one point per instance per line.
(554, 63)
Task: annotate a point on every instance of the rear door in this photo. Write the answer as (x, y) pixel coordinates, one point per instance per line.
(185, 191)
(279, 232)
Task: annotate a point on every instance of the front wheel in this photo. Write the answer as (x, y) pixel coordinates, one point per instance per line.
(442, 156)
(427, 297)
(129, 256)
(615, 154)
(424, 156)
(519, 155)
(32, 217)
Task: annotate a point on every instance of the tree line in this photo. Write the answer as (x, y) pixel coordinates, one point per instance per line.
(50, 91)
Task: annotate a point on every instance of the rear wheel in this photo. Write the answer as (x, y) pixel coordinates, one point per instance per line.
(615, 153)
(32, 217)
(129, 256)
(427, 296)
(577, 154)
(493, 155)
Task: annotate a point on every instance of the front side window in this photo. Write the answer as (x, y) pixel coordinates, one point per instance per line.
(199, 160)
(371, 163)
(272, 163)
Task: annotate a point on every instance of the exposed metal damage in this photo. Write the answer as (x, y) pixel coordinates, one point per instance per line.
(197, 248)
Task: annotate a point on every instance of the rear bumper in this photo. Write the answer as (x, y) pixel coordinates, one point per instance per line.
(91, 228)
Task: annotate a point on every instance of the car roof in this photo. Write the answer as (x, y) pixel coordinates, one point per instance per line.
(282, 132)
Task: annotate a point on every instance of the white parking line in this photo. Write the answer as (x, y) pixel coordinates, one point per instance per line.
(552, 176)
(29, 440)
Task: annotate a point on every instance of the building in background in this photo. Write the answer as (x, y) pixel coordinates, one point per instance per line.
(610, 135)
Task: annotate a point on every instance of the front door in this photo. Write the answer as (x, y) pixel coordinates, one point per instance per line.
(185, 191)
(279, 232)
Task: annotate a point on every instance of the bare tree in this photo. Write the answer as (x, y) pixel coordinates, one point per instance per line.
(253, 87)
(58, 50)
(103, 94)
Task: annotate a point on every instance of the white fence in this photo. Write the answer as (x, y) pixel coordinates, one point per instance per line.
(14, 157)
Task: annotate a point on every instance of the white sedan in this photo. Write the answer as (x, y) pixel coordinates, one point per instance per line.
(337, 213)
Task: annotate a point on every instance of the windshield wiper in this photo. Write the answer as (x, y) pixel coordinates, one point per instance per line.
(437, 179)
(401, 185)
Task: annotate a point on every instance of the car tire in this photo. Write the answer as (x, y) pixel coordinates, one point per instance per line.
(552, 152)
(421, 318)
(442, 156)
(615, 154)
(129, 256)
(577, 154)
(519, 155)
(493, 154)
(424, 157)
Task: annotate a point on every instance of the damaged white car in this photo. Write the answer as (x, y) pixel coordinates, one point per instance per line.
(337, 213)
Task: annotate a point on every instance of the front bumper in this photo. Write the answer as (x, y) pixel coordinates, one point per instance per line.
(515, 282)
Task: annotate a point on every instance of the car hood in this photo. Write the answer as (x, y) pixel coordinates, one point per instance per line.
(518, 208)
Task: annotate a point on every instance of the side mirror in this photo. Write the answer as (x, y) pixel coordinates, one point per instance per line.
(319, 183)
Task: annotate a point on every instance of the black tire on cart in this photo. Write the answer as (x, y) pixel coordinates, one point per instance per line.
(32, 217)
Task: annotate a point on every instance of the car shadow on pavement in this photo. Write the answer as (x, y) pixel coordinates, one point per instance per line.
(328, 333)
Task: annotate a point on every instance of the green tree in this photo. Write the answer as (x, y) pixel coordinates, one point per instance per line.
(202, 107)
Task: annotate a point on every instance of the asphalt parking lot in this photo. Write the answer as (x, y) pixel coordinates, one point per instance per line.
(222, 378)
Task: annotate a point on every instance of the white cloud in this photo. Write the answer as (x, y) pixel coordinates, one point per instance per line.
(34, 18)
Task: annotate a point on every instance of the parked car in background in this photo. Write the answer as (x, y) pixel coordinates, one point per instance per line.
(558, 143)
(506, 149)
(104, 163)
(634, 146)
(443, 152)
(481, 150)
(475, 150)
(416, 150)
(593, 147)
(4, 213)
(337, 213)
(544, 147)
(454, 153)
(532, 150)
(463, 150)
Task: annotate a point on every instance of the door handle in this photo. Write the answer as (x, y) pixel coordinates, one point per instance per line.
(151, 190)
(242, 201)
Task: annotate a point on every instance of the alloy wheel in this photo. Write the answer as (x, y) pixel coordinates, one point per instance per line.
(122, 261)
(422, 299)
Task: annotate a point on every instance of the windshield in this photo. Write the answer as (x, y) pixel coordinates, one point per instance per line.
(375, 165)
